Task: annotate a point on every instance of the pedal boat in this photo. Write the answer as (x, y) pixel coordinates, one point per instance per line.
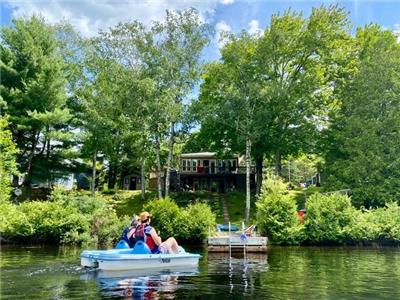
(138, 258)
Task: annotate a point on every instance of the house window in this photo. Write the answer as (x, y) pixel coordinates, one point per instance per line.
(194, 166)
(212, 168)
(184, 165)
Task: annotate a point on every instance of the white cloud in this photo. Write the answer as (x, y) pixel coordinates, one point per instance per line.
(88, 16)
(222, 28)
(225, 2)
(254, 28)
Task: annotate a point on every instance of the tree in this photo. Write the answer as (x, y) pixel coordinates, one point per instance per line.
(181, 39)
(8, 165)
(33, 87)
(363, 143)
(230, 104)
(300, 62)
(166, 58)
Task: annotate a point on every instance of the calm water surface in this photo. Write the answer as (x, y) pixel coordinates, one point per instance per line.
(283, 273)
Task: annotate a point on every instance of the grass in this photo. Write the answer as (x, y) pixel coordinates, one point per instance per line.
(301, 195)
(236, 203)
(129, 202)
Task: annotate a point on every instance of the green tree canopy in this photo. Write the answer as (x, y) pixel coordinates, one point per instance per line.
(364, 141)
(33, 86)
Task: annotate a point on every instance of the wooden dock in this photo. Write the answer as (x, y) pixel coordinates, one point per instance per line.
(233, 242)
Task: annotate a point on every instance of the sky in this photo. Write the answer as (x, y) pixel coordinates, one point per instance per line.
(88, 16)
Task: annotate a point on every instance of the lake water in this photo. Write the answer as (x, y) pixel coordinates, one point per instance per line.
(282, 273)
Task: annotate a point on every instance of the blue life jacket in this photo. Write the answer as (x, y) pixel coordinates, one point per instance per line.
(131, 241)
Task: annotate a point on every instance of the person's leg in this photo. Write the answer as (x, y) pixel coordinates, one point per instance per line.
(171, 244)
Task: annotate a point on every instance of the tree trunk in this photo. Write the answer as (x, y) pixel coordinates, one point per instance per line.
(15, 180)
(278, 162)
(169, 161)
(159, 184)
(143, 177)
(248, 160)
(28, 177)
(259, 172)
(112, 176)
(94, 159)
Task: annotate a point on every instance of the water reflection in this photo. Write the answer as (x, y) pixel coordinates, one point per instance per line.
(141, 284)
(241, 269)
(287, 273)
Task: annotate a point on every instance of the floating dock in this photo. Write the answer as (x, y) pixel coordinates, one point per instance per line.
(224, 242)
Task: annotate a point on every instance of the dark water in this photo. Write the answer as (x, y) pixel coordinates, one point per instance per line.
(284, 273)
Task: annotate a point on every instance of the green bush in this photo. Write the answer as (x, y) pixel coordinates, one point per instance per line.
(327, 218)
(191, 223)
(276, 213)
(13, 222)
(67, 218)
(197, 221)
(380, 225)
(165, 215)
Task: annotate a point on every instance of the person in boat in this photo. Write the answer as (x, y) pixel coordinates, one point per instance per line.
(128, 235)
(144, 232)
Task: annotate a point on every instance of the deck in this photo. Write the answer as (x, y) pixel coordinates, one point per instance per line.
(224, 242)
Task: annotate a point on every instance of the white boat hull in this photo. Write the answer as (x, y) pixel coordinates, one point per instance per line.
(113, 260)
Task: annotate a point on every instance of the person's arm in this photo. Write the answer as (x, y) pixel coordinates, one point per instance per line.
(131, 232)
(156, 238)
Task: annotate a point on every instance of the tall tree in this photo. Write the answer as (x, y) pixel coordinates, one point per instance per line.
(33, 86)
(230, 104)
(364, 141)
(167, 55)
(300, 60)
(180, 42)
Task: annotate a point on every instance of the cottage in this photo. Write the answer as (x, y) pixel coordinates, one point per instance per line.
(206, 171)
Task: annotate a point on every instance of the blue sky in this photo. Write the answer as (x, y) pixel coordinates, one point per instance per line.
(88, 16)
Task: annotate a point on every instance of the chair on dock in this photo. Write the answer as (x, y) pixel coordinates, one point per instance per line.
(250, 231)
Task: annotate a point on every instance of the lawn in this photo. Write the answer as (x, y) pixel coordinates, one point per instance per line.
(236, 202)
(129, 202)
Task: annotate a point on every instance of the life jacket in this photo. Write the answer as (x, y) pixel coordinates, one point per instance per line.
(142, 233)
(131, 241)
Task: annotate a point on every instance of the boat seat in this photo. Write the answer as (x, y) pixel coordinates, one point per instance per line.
(122, 245)
(141, 248)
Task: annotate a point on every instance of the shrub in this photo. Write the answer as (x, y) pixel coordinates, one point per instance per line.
(50, 221)
(327, 218)
(67, 218)
(106, 226)
(381, 224)
(196, 221)
(13, 222)
(165, 213)
(276, 213)
(190, 224)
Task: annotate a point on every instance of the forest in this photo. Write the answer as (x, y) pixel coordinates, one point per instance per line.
(306, 90)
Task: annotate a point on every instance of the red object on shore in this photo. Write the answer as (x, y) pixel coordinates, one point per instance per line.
(300, 215)
(200, 169)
